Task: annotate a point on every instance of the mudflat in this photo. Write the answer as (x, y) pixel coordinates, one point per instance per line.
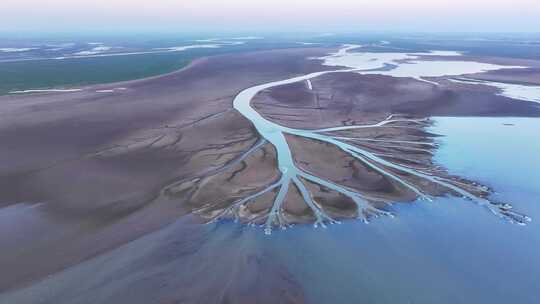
(94, 163)
(87, 177)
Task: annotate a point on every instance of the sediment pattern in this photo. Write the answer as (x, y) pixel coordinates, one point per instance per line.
(395, 152)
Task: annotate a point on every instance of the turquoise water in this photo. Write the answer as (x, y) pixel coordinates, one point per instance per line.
(443, 252)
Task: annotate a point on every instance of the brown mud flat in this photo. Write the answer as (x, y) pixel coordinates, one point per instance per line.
(87, 178)
(92, 166)
(382, 164)
(350, 98)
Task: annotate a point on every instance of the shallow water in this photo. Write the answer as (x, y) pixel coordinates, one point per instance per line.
(414, 66)
(449, 251)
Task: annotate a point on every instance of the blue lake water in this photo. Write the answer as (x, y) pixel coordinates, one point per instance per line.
(443, 252)
(447, 251)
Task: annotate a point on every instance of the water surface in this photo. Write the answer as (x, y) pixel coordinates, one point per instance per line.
(448, 251)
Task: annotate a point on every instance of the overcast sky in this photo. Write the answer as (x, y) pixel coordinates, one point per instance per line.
(353, 15)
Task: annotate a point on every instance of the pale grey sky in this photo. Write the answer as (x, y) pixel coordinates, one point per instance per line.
(415, 15)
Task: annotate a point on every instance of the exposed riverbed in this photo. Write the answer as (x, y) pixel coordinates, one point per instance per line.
(405, 65)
